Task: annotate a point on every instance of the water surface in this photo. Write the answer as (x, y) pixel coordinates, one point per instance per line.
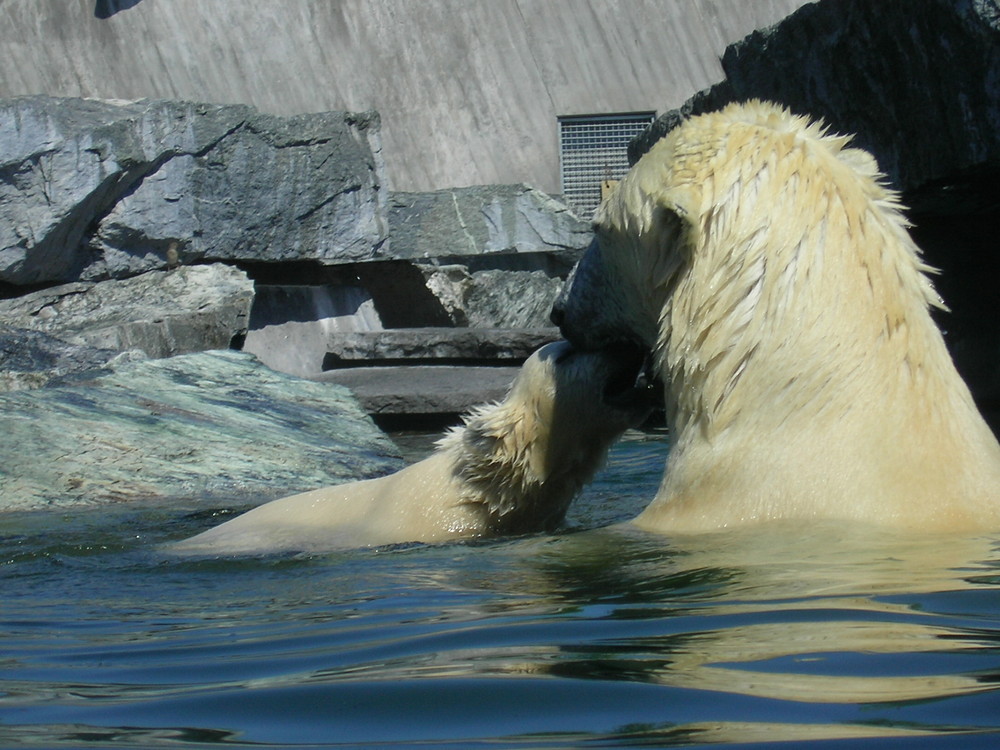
(792, 632)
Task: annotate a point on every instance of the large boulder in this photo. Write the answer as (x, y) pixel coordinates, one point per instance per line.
(212, 425)
(99, 189)
(160, 313)
(917, 81)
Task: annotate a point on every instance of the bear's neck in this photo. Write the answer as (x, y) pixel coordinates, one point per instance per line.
(771, 327)
(804, 378)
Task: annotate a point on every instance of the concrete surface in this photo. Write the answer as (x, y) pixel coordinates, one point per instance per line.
(469, 90)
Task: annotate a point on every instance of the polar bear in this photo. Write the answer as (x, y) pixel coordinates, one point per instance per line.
(770, 271)
(512, 468)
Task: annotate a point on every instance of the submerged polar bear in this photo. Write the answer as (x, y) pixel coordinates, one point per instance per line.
(512, 468)
(771, 274)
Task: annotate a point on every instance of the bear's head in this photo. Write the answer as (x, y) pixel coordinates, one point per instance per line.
(527, 456)
(747, 244)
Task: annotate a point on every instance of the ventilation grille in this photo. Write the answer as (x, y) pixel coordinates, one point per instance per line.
(594, 149)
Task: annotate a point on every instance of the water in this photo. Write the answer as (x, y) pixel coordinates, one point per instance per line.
(584, 639)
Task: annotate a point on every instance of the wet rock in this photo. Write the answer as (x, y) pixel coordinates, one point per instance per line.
(213, 425)
(161, 313)
(30, 359)
(98, 189)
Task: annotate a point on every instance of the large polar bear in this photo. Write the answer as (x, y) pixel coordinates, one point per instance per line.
(512, 468)
(771, 274)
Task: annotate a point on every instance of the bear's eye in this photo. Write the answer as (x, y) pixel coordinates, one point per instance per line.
(569, 351)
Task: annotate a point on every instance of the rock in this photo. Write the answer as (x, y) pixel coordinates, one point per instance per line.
(30, 359)
(494, 298)
(387, 392)
(511, 299)
(482, 220)
(99, 189)
(423, 345)
(161, 313)
(213, 425)
(845, 61)
(492, 256)
(290, 325)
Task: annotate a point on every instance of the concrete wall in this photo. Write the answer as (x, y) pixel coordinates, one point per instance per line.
(469, 90)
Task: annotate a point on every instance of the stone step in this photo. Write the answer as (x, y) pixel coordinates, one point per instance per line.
(394, 395)
(440, 346)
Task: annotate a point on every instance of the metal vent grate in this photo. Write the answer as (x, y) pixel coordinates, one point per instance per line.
(593, 149)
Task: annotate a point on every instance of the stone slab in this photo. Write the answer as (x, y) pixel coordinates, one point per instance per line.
(93, 189)
(161, 313)
(422, 344)
(423, 389)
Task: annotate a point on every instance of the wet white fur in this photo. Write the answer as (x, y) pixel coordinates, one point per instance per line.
(772, 273)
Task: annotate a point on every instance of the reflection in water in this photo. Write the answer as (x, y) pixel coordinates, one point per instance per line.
(843, 617)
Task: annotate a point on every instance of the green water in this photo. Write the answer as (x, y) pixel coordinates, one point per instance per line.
(584, 639)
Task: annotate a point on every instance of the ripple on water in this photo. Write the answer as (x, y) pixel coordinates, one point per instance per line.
(586, 638)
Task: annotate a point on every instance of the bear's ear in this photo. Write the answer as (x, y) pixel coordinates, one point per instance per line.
(680, 201)
(671, 240)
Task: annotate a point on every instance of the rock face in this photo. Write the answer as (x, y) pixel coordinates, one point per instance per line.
(160, 313)
(482, 220)
(492, 256)
(98, 189)
(166, 227)
(214, 425)
(481, 258)
(29, 359)
(918, 82)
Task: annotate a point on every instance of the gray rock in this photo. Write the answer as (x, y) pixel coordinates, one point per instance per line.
(423, 389)
(493, 298)
(291, 324)
(421, 345)
(98, 189)
(30, 359)
(214, 425)
(161, 313)
(481, 220)
(918, 82)
(511, 299)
